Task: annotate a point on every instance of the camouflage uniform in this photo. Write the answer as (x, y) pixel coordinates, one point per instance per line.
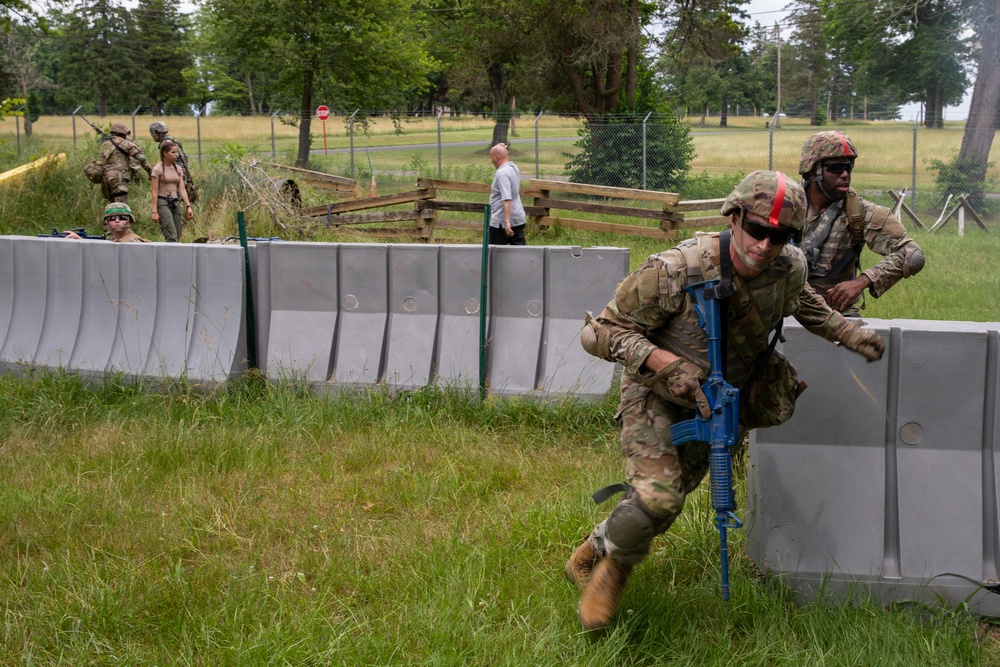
(651, 310)
(830, 248)
(122, 158)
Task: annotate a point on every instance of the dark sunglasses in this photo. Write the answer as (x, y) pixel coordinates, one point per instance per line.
(839, 167)
(778, 235)
(116, 218)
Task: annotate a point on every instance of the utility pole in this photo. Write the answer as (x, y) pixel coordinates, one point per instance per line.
(777, 113)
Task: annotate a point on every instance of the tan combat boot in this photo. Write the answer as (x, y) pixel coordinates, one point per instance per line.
(600, 597)
(581, 564)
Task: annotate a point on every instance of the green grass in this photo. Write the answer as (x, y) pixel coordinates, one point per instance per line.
(262, 525)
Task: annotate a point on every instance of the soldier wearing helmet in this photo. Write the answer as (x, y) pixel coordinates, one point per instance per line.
(118, 220)
(158, 131)
(839, 223)
(122, 159)
(651, 328)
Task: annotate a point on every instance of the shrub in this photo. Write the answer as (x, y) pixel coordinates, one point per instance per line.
(611, 152)
(963, 176)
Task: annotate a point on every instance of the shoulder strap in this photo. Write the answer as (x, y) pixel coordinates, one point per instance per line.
(855, 217)
(123, 151)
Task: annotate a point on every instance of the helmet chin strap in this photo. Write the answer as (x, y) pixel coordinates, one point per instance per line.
(744, 257)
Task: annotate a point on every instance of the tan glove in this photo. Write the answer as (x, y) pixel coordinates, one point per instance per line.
(682, 381)
(865, 342)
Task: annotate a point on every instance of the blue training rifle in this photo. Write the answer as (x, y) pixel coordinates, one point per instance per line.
(721, 429)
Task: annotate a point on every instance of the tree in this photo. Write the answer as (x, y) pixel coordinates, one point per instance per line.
(490, 42)
(165, 54)
(351, 52)
(984, 109)
(911, 48)
(20, 46)
(99, 55)
(705, 41)
(807, 49)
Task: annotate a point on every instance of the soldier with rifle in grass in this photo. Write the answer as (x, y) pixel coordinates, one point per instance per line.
(653, 328)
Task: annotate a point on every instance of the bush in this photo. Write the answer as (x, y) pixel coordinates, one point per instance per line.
(963, 176)
(611, 152)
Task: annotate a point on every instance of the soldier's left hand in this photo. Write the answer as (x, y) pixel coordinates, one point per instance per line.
(865, 342)
(842, 295)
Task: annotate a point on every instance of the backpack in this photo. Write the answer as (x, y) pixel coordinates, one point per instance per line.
(94, 170)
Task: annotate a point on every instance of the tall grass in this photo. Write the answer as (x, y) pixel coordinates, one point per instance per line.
(262, 525)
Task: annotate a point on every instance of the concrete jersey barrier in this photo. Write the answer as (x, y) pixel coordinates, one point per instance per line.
(884, 482)
(407, 316)
(151, 310)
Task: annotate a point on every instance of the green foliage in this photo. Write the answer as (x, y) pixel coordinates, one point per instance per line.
(964, 176)
(99, 57)
(611, 152)
(705, 186)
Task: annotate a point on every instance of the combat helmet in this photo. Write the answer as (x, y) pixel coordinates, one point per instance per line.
(119, 208)
(772, 196)
(120, 129)
(823, 145)
(158, 127)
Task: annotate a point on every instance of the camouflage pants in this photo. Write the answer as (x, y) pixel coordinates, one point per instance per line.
(660, 474)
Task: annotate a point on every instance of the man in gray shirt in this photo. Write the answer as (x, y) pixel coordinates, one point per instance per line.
(507, 215)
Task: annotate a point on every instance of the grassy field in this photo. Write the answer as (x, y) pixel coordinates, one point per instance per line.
(257, 524)
(410, 148)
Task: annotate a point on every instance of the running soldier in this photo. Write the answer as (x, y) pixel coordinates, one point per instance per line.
(651, 328)
(839, 223)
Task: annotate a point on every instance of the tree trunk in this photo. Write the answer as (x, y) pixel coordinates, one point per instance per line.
(632, 56)
(983, 109)
(724, 112)
(253, 107)
(932, 112)
(305, 122)
(27, 128)
(501, 127)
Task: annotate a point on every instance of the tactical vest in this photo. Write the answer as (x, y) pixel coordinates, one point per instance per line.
(755, 309)
(828, 268)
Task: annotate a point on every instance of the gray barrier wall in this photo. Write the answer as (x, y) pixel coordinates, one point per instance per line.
(151, 310)
(884, 482)
(349, 315)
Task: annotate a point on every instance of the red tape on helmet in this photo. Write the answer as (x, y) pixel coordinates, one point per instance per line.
(779, 200)
(843, 142)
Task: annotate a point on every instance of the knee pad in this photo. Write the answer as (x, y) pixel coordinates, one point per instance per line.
(628, 533)
(913, 262)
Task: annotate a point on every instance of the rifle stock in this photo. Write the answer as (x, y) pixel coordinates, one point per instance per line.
(722, 428)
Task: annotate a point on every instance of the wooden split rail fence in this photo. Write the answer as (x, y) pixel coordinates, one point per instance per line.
(665, 208)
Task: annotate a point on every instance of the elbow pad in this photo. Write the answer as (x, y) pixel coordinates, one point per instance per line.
(596, 338)
(913, 260)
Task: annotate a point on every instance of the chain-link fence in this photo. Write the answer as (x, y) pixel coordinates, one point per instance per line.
(396, 148)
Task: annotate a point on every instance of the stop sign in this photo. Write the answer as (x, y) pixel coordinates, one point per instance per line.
(322, 112)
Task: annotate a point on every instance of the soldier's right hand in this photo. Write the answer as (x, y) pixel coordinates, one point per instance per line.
(683, 380)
